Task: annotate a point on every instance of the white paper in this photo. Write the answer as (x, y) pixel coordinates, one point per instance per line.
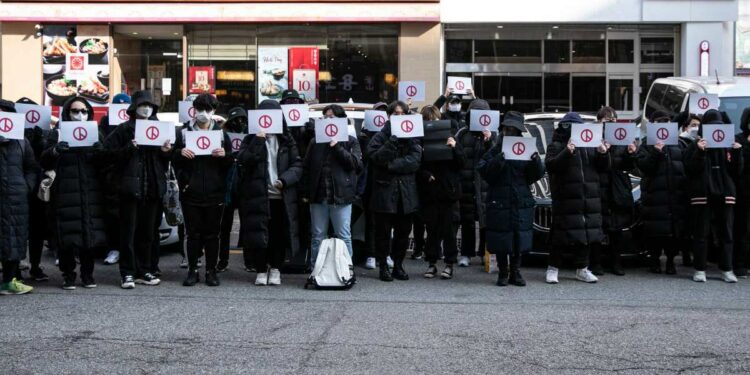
(620, 134)
(407, 126)
(12, 125)
(413, 90)
(482, 120)
(166, 86)
(700, 103)
(305, 82)
(665, 132)
(719, 135)
(236, 140)
(375, 120)
(586, 135)
(203, 142)
(519, 148)
(331, 129)
(118, 113)
(460, 85)
(154, 133)
(268, 120)
(187, 112)
(79, 133)
(296, 115)
(35, 115)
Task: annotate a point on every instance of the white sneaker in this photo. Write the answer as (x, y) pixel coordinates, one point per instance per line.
(112, 258)
(261, 279)
(370, 263)
(586, 276)
(699, 276)
(184, 263)
(464, 261)
(23, 265)
(389, 261)
(274, 277)
(729, 277)
(551, 275)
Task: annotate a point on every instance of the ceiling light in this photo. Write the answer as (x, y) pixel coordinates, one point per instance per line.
(555, 27)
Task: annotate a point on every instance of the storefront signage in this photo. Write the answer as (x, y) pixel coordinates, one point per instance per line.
(202, 79)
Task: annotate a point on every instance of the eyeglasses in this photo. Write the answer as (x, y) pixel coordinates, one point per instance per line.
(81, 111)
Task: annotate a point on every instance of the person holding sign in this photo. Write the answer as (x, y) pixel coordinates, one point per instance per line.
(268, 199)
(574, 176)
(141, 183)
(510, 204)
(742, 209)
(365, 187)
(394, 198)
(712, 193)
(19, 176)
(77, 204)
(105, 122)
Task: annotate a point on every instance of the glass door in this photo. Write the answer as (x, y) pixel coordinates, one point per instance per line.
(511, 91)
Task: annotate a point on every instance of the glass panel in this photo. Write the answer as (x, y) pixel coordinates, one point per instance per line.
(150, 61)
(657, 50)
(523, 94)
(621, 51)
(556, 51)
(458, 51)
(655, 96)
(588, 51)
(621, 94)
(488, 88)
(588, 93)
(647, 79)
(557, 92)
(673, 98)
(508, 51)
(734, 106)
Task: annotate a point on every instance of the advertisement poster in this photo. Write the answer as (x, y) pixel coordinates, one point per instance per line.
(74, 64)
(202, 79)
(273, 74)
(304, 65)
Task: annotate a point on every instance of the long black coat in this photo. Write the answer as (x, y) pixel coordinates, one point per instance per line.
(345, 163)
(394, 164)
(254, 180)
(19, 176)
(510, 204)
(576, 192)
(617, 190)
(473, 187)
(712, 172)
(742, 181)
(203, 179)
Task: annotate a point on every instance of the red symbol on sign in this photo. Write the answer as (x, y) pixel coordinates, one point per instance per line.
(6, 125)
(519, 148)
(662, 134)
(587, 135)
(331, 130)
(236, 143)
(123, 114)
(485, 120)
(703, 103)
(265, 121)
(80, 133)
(203, 142)
(411, 90)
(294, 115)
(718, 135)
(32, 116)
(76, 63)
(379, 121)
(407, 126)
(620, 134)
(152, 132)
(191, 112)
(460, 85)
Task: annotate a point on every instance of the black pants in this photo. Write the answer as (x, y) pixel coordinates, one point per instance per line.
(38, 225)
(10, 270)
(227, 222)
(717, 218)
(419, 228)
(278, 239)
(669, 245)
(401, 226)
(112, 221)
(741, 236)
(202, 225)
(441, 230)
(137, 222)
(156, 243)
(618, 242)
(370, 233)
(503, 263)
(469, 239)
(580, 254)
(68, 261)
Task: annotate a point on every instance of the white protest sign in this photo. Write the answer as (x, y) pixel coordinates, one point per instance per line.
(664, 132)
(79, 133)
(12, 125)
(118, 113)
(413, 90)
(236, 140)
(407, 126)
(700, 103)
(203, 142)
(296, 115)
(305, 81)
(482, 120)
(519, 148)
(331, 129)
(35, 115)
(460, 85)
(267, 120)
(719, 135)
(586, 135)
(154, 133)
(620, 134)
(186, 111)
(375, 120)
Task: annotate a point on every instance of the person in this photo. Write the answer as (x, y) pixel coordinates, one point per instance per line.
(236, 123)
(329, 185)
(712, 194)
(271, 169)
(742, 208)
(203, 188)
(510, 204)
(439, 188)
(141, 186)
(19, 176)
(473, 187)
(576, 199)
(394, 193)
(450, 105)
(77, 204)
(365, 190)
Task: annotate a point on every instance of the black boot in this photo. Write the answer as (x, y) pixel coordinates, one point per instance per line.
(687, 259)
(385, 272)
(211, 278)
(617, 265)
(670, 269)
(655, 266)
(192, 278)
(399, 273)
(516, 278)
(502, 278)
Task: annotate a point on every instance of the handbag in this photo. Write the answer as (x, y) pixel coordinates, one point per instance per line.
(172, 206)
(45, 187)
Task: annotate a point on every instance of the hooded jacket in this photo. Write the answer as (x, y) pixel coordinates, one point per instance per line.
(394, 164)
(446, 186)
(202, 180)
(36, 136)
(344, 163)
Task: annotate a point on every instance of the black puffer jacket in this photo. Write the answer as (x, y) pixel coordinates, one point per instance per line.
(77, 198)
(617, 190)
(446, 186)
(664, 200)
(203, 179)
(743, 179)
(576, 191)
(345, 164)
(394, 163)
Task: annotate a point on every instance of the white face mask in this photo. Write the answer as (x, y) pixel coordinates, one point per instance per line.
(77, 117)
(204, 116)
(144, 111)
(691, 133)
(454, 107)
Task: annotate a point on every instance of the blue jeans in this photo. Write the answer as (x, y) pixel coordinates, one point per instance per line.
(340, 216)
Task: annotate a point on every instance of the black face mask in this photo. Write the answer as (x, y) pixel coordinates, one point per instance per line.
(564, 125)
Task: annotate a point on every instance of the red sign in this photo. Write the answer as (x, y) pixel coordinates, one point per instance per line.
(662, 134)
(77, 63)
(6, 125)
(519, 148)
(587, 135)
(202, 79)
(203, 143)
(304, 58)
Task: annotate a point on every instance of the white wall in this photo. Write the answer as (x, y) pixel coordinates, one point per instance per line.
(720, 36)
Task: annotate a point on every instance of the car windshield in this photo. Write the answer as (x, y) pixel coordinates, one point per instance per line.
(734, 106)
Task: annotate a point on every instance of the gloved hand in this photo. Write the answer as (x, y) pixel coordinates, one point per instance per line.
(62, 147)
(393, 139)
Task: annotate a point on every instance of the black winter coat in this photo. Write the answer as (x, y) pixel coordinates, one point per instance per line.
(203, 179)
(712, 172)
(617, 190)
(742, 181)
(345, 163)
(446, 186)
(19, 176)
(394, 163)
(473, 187)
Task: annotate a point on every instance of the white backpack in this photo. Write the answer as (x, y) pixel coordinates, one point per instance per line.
(333, 267)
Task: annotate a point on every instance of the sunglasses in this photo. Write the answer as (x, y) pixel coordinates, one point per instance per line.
(81, 111)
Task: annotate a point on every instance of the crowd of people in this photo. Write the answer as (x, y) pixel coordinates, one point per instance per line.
(288, 189)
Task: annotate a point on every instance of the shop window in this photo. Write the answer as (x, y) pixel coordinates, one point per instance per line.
(588, 93)
(588, 52)
(458, 51)
(657, 50)
(621, 51)
(557, 92)
(524, 94)
(621, 94)
(556, 51)
(647, 79)
(508, 51)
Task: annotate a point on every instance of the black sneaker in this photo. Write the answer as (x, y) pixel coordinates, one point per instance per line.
(127, 282)
(87, 281)
(148, 279)
(670, 269)
(192, 278)
(222, 266)
(502, 278)
(38, 275)
(515, 278)
(399, 273)
(597, 269)
(211, 279)
(69, 282)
